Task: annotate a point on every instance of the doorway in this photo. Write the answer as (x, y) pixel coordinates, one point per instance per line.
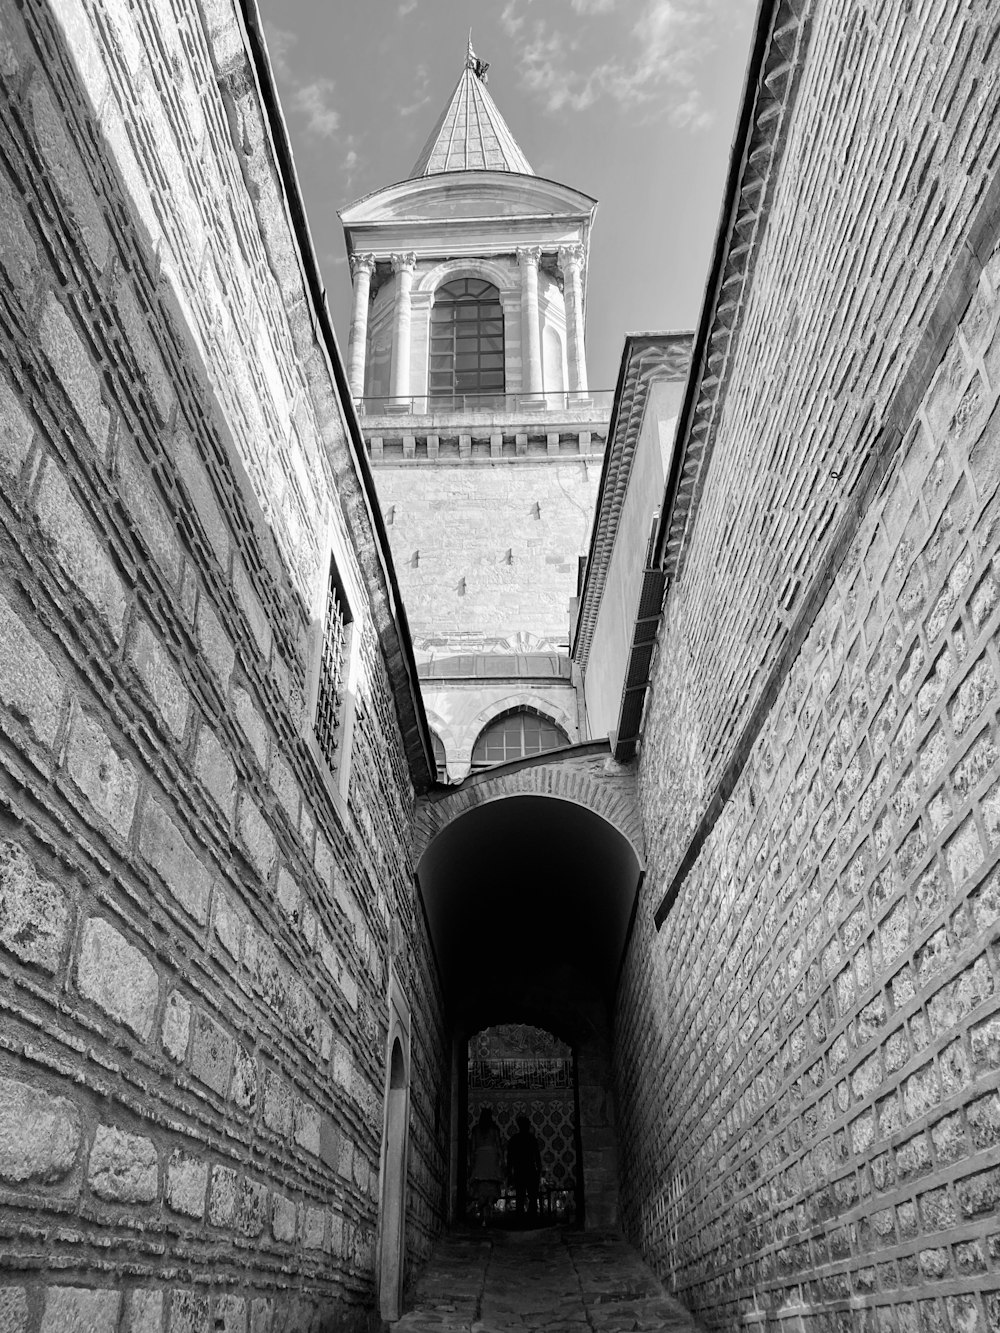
(517, 1070)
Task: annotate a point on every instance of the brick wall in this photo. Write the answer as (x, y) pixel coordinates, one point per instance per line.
(808, 1049)
(196, 933)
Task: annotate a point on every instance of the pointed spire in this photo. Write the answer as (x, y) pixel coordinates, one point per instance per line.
(471, 134)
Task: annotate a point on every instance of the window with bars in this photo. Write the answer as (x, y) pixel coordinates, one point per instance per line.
(516, 735)
(337, 622)
(467, 348)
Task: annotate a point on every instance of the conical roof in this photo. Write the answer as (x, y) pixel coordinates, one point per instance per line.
(471, 134)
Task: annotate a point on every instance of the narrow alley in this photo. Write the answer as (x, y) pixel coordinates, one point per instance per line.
(556, 1280)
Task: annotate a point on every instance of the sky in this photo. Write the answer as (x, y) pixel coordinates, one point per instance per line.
(634, 102)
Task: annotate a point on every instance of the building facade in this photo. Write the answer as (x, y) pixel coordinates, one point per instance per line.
(468, 364)
(246, 937)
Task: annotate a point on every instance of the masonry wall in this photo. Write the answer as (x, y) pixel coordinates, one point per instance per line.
(808, 1049)
(196, 932)
(487, 553)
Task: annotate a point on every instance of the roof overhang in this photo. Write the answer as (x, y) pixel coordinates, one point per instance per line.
(458, 195)
(646, 359)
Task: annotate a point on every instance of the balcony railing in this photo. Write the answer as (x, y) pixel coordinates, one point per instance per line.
(574, 400)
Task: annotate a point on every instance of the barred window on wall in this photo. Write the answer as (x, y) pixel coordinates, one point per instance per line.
(337, 623)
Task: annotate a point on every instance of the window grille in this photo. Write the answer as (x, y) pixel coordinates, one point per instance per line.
(467, 344)
(515, 736)
(332, 667)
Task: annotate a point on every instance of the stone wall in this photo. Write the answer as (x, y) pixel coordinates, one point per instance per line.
(487, 553)
(808, 1050)
(196, 927)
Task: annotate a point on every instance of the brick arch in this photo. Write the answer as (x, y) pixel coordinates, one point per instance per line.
(585, 775)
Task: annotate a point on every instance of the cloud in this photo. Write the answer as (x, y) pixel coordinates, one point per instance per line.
(406, 7)
(421, 92)
(313, 101)
(311, 98)
(654, 68)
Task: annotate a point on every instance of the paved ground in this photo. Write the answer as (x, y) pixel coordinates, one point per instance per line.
(559, 1281)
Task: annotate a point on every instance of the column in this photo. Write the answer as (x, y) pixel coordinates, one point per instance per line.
(531, 336)
(362, 268)
(571, 263)
(399, 379)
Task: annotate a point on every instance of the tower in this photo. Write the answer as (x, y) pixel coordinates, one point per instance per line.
(468, 365)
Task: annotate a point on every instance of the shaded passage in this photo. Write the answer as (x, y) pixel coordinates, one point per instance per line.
(559, 1281)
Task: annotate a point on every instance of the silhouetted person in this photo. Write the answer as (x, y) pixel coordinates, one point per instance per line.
(524, 1167)
(486, 1163)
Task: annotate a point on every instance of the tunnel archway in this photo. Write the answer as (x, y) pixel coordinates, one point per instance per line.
(529, 901)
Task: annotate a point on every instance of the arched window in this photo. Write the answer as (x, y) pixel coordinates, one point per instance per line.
(440, 758)
(466, 340)
(515, 735)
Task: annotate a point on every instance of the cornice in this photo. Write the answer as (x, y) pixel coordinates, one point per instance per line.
(771, 83)
(646, 359)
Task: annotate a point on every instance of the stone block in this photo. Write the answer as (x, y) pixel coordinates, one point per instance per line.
(251, 724)
(278, 1106)
(260, 626)
(80, 1310)
(214, 768)
(147, 514)
(123, 1167)
(222, 1200)
(160, 677)
(257, 838)
(117, 977)
(214, 643)
(186, 1184)
(143, 1311)
(13, 1303)
(16, 427)
(39, 1134)
(72, 364)
(314, 1228)
(34, 913)
(251, 1207)
(141, 345)
(176, 1026)
(18, 255)
(231, 1314)
(190, 1312)
(283, 1218)
(288, 894)
(245, 1082)
(211, 1053)
(106, 778)
(199, 487)
(68, 173)
(182, 870)
(30, 686)
(227, 923)
(307, 1131)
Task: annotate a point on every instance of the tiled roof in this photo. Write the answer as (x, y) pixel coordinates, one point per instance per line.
(471, 134)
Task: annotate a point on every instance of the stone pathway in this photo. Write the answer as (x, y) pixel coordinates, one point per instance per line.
(559, 1281)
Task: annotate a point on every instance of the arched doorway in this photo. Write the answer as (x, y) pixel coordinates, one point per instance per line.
(392, 1213)
(529, 900)
(515, 1070)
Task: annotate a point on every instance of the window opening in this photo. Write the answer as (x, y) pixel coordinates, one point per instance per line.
(440, 758)
(333, 667)
(515, 736)
(467, 342)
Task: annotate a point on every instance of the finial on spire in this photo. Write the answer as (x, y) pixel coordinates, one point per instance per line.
(472, 61)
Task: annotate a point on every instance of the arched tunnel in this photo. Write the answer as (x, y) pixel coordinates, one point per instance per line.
(529, 900)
